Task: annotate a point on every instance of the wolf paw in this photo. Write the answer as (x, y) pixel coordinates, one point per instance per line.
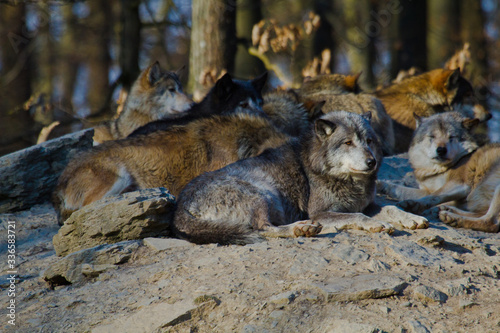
(383, 187)
(413, 206)
(415, 222)
(378, 226)
(306, 228)
(448, 216)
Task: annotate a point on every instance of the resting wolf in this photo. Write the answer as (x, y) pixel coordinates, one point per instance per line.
(325, 180)
(450, 168)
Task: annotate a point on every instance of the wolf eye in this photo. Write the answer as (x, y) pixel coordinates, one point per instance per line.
(348, 143)
(452, 137)
(368, 141)
(244, 104)
(171, 89)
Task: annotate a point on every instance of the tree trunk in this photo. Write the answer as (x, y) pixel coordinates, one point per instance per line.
(323, 38)
(213, 41)
(70, 58)
(473, 25)
(408, 34)
(97, 48)
(360, 34)
(130, 42)
(15, 90)
(443, 31)
(248, 13)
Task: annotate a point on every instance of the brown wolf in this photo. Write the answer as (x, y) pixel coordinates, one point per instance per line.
(425, 95)
(168, 158)
(156, 94)
(327, 176)
(450, 168)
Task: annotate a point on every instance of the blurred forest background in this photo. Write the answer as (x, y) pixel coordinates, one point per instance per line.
(68, 60)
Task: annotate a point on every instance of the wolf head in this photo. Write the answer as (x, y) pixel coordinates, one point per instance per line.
(158, 91)
(449, 85)
(345, 145)
(229, 94)
(330, 84)
(441, 140)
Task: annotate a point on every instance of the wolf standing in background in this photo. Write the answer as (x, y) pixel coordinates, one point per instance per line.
(328, 175)
(156, 94)
(424, 95)
(450, 168)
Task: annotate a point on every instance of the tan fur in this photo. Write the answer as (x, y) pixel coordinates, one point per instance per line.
(165, 158)
(156, 94)
(467, 179)
(425, 94)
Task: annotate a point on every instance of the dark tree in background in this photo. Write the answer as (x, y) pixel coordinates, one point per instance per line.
(407, 35)
(248, 13)
(15, 77)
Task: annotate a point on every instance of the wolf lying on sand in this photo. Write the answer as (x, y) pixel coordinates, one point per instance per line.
(451, 169)
(324, 180)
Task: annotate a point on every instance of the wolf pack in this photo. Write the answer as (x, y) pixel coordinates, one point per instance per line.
(246, 163)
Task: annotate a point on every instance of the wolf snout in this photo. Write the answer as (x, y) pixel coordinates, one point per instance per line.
(371, 163)
(441, 151)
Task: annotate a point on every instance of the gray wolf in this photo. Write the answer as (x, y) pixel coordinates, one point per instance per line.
(156, 94)
(320, 181)
(225, 96)
(452, 170)
(425, 95)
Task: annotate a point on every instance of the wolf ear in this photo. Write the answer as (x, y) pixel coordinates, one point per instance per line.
(180, 71)
(469, 124)
(324, 128)
(351, 82)
(259, 82)
(154, 73)
(452, 80)
(224, 86)
(367, 115)
(418, 120)
(314, 109)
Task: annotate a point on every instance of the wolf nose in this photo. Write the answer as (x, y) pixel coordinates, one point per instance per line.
(441, 151)
(371, 163)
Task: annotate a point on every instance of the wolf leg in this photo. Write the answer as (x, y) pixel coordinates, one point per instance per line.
(419, 205)
(395, 215)
(489, 222)
(334, 221)
(306, 228)
(399, 192)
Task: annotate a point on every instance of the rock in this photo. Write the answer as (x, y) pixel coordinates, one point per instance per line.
(416, 255)
(283, 298)
(28, 176)
(350, 254)
(361, 287)
(466, 303)
(162, 244)
(307, 264)
(150, 318)
(84, 264)
(132, 215)
(344, 326)
(417, 327)
(428, 295)
(378, 266)
(432, 241)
